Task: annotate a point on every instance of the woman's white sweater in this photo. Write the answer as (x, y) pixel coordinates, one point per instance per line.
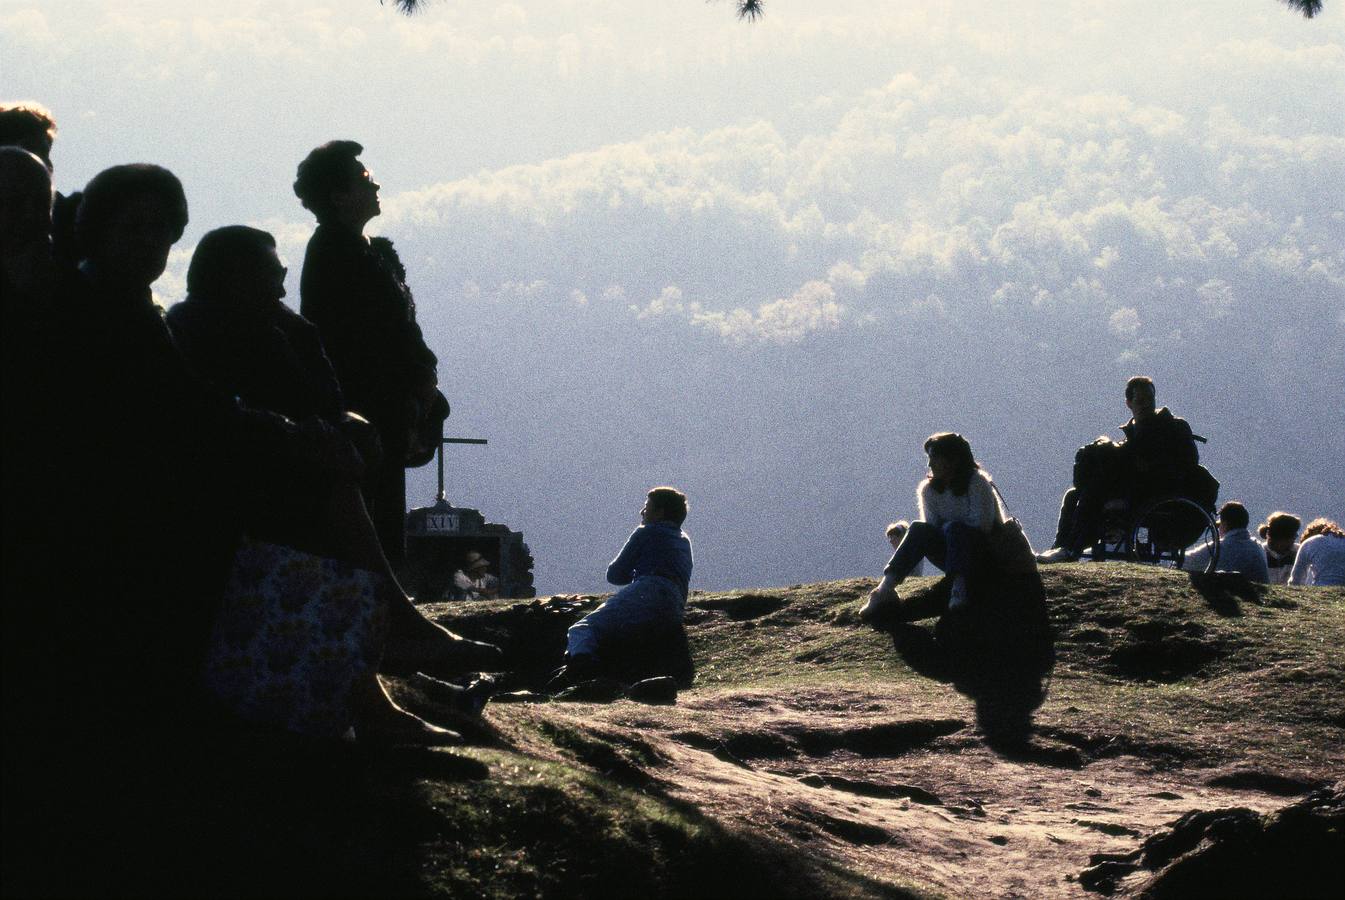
(978, 507)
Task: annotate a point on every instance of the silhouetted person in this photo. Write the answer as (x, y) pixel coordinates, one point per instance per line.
(236, 333)
(354, 290)
(31, 126)
(1238, 550)
(31, 526)
(1157, 459)
(1279, 536)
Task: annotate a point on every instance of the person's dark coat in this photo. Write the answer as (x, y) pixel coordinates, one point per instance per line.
(1160, 453)
(355, 292)
(157, 500)
(270, 360)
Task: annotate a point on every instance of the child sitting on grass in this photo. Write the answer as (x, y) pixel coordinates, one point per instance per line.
(654, 568)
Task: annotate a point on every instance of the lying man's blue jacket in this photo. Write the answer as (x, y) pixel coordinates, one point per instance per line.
(660, 548)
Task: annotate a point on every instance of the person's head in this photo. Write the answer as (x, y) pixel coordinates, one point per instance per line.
(336, 187)
(237, 266)
(1141, 397)
(896, 531)
(25, 189)
(30, 126)
(128, 220)
(1280, 531)
(475, 564)
(1232, 516)
(664, 504)
(951, 462)
(1322, 526)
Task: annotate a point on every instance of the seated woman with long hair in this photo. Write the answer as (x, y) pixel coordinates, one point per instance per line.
(958, 509)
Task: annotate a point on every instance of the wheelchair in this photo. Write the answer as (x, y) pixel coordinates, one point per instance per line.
(1158, 535)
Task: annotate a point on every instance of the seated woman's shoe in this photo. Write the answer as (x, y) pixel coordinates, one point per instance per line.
(391, 725)
(879, 605)
(469, 700)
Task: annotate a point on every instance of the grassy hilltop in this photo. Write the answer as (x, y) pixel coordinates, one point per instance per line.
(817, 757)
(812, 758)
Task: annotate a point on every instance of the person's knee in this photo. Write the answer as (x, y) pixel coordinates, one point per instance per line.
(921, 530)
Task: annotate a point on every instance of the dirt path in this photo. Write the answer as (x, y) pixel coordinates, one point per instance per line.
(903, 788)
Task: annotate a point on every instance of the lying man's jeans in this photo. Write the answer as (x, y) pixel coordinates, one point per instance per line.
(956, 548)
(645, 605)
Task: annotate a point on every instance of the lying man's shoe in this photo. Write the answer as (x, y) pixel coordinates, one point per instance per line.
(1057, 555)
(577, 669)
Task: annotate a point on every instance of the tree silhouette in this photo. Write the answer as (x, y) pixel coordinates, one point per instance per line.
(751, 10)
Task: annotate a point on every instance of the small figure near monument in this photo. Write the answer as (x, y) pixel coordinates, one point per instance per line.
(654, 572)
(1321, 556)
(474, 581)
(1279, 537)
(1157, 459)
(1238, 551)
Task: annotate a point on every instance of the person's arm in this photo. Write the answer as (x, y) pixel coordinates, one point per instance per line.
(984, 508)
(1197, 560)
(924, 495)
(1302, 563)
(1186, 454)
(622, 569)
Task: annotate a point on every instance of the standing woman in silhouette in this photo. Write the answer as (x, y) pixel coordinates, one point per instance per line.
(958, 508)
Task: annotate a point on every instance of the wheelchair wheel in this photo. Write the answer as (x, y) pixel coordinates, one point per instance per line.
(1166, 528)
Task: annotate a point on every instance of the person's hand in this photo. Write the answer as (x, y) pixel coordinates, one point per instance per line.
(330, 450)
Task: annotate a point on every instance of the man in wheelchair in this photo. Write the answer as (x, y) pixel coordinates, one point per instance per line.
(1157, 460)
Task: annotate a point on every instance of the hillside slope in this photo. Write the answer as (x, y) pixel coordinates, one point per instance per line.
(816, 740)
(813, 756)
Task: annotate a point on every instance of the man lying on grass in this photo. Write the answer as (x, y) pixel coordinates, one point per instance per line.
(654, 568)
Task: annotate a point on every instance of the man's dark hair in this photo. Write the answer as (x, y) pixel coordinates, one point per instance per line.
(221, 253)
(1282, 525)
(112, 190)
(325, 169)
(670, 503)
(1139, 381)
(28, 125)
(957, 450)
(1234, 515)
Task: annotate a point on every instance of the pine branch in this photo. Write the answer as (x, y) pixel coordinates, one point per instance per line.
(1308, 8)
(751, 10)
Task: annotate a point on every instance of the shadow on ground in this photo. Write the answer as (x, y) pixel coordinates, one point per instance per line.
(998, 651)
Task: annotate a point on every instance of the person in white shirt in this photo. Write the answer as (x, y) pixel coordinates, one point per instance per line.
(1279, 535)
(1321, 556)
(474, 581)
(1238, 551)
(958, 509)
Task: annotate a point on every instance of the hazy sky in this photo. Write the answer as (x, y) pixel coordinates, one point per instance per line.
(762, 262)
